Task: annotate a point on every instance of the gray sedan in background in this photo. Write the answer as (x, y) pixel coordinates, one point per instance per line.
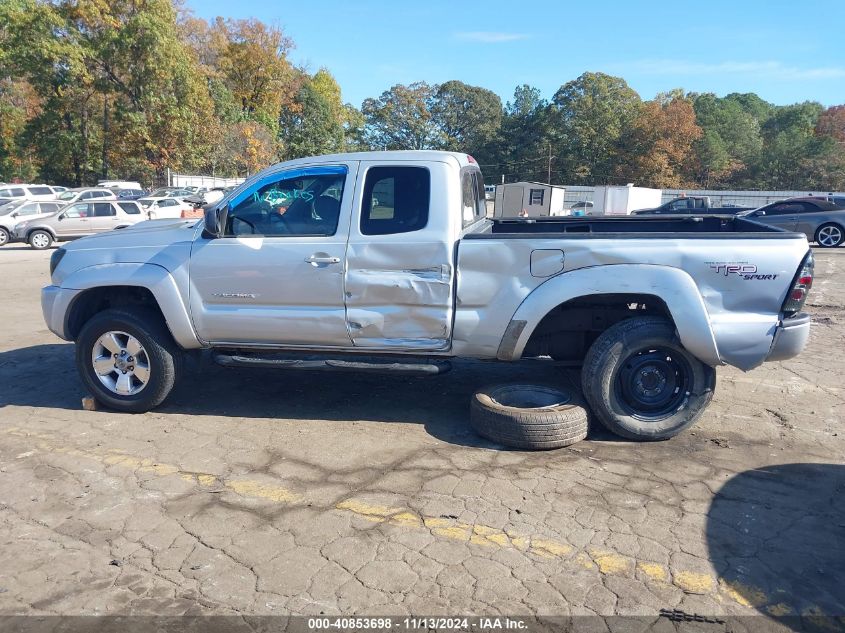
(821, 221)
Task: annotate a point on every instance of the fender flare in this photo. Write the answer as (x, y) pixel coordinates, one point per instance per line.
(673, 285)
(154, 278)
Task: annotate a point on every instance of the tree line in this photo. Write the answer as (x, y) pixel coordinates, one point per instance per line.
(132, 88)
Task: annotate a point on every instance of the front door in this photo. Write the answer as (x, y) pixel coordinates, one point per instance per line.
(399, 270)
(276, 276)
(784, 215)
(75, 221)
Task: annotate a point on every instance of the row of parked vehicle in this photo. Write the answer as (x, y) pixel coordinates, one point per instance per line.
(820, 218)
(40, 214)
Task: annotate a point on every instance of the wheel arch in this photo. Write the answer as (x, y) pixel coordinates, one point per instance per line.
(664, 290)
(115, 285)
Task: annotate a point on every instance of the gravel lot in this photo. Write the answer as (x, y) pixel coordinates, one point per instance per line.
(296, 493)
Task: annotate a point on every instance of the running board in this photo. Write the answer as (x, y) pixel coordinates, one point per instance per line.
(316, 363)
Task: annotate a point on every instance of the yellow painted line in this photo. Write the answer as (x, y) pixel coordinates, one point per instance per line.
(607, 562)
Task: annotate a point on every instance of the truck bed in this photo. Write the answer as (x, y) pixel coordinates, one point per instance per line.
(621, 226)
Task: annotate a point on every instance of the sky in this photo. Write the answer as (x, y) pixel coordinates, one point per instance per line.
(786, 52)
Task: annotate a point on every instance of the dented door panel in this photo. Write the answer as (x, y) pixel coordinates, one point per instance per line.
(399, 287)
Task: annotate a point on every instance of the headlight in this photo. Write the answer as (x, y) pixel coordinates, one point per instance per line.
(55, 258)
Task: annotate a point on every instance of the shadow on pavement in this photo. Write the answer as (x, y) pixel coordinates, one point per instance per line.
(45, 376)
(776, 536)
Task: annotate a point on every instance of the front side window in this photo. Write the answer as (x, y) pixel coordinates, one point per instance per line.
(536, 197)
(77, 211)
(785, 209)
(103, 210)
(396, 200)
(296, 204)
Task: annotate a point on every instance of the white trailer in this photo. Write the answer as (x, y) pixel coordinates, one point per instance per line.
(610, 200)
(529, 199)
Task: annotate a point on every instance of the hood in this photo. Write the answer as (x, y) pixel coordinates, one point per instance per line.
(147, 234)
(162, 243)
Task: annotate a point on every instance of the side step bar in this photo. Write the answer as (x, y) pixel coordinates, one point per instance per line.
(317, 363)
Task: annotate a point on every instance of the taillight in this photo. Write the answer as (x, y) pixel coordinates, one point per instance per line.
(801, 285)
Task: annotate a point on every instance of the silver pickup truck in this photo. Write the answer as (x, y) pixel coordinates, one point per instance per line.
(387, 261)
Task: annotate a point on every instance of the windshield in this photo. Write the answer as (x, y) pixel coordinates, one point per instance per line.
(67, 195)
(7, 208)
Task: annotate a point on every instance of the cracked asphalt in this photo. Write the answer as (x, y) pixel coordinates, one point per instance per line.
(297, 493)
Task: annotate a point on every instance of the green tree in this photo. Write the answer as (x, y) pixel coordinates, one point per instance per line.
(467, 117)
(590, 115)
(310, 126)
(401, 119)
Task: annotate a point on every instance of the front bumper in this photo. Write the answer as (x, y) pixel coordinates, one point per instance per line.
(55, 304)
(790, 337)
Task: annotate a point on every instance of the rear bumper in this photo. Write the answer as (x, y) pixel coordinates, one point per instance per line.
(790, 337)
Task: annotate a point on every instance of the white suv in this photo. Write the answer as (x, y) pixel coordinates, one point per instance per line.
(22, 210)
(29, 192)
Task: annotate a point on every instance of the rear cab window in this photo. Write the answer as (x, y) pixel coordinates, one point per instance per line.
(396, 200)
(473, 202)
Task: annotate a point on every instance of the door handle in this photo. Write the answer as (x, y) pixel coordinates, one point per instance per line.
(317, 259)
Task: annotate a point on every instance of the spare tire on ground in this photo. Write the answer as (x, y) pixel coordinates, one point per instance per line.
(533, 417)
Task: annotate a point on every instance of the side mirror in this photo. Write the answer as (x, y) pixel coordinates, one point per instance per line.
(61, 217)
(215, 220)
(14, 214)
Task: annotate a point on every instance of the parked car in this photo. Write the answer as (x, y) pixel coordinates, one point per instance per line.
(156, 208)
(78, 220)
(19, 211)
(171, 192)
(30, 192)
(130, 194)
(299, 268)
(821, 221)
(119, 184)
(690, 205)
(585, 207)
(84, 193)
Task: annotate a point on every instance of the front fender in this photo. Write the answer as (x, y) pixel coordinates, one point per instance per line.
(674, 286)
(156, 279)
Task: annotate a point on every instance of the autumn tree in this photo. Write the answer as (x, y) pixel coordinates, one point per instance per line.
(656, 150)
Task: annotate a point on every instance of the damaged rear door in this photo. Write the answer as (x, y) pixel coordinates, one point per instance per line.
(399, 259)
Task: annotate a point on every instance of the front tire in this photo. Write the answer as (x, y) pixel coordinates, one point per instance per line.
(40, 240)
(4, 236)
(829, 235)
(642, 384)
(127, 360)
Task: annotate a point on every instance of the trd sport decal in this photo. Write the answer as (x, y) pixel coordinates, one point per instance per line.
(742, 270)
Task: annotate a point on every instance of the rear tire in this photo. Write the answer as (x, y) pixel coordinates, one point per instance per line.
(528, 416)
(642, 384)
(159, 356)
(40, 240)
(829, 235)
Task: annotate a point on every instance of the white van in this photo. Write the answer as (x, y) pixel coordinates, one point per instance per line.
(119, 184)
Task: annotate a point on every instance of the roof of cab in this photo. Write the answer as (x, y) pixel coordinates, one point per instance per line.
(387, 156)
